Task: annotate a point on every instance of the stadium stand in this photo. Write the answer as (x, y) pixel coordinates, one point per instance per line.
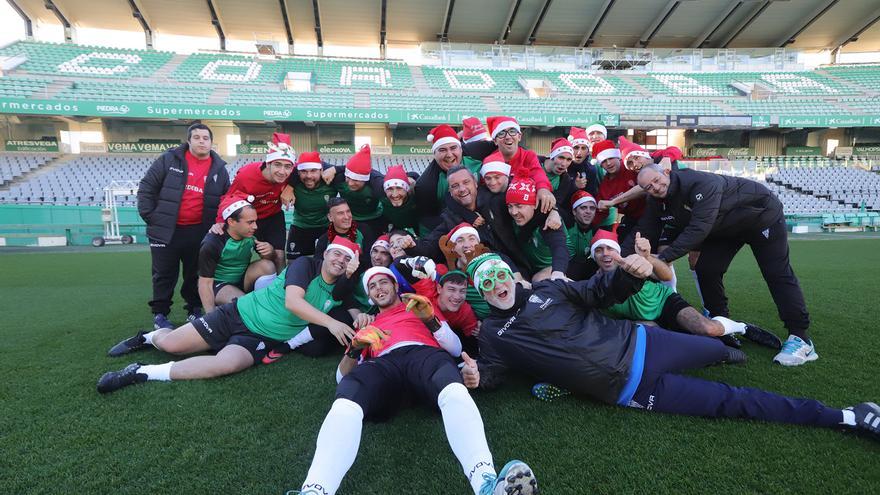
(22, 87)
(297, 100)
(129, 92)
(14, 165)
(55, 59)
(848, 185)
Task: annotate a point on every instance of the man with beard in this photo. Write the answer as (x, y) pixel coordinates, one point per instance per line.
(718, 215)
(309, 194)
(225, 268)
(265, 181)
(243, 331)
(405, 354)
(554, 332)
(433, 184)
(578, 237)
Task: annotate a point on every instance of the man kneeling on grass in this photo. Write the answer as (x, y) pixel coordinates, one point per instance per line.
(406, 354)
(242, 332)
(554, 332)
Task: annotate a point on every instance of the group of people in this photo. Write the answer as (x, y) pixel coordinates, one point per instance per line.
(493, 260)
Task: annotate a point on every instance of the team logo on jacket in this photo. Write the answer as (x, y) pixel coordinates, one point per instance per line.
(699, 197)
(535, 299)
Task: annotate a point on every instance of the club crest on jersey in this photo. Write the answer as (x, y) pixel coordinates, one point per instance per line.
(327, 305)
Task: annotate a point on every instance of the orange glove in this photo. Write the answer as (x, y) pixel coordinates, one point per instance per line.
(419, 305)
(369, 336)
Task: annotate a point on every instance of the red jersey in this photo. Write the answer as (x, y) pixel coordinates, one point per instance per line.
(463, 321)
(250, 181)
(193, 200)
(526, 161)
(404, 327)
(612, 187)
(672, 152)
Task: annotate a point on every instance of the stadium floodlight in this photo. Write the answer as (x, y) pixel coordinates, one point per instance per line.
(110, 213)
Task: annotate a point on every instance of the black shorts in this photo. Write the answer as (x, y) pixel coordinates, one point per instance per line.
(224, 326)
(414, 373)
(220, 285)
(668, 318)
(271, 229)
(301, 241)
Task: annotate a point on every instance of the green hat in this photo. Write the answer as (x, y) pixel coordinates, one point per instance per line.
(481, 264)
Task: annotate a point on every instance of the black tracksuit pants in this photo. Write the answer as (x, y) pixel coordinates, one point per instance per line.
(167, 260)
(770, 248)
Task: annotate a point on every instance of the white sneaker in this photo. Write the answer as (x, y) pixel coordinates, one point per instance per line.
(795, 352)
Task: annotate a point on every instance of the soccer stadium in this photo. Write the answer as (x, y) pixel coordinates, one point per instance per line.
(387, 246)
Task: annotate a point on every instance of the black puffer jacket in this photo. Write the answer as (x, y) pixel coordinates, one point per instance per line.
(161, 190)
(703, 204)
(555, 333)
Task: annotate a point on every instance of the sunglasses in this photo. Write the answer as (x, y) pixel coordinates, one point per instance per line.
(494, 276)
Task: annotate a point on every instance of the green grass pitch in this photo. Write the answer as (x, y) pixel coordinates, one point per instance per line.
(255, 432)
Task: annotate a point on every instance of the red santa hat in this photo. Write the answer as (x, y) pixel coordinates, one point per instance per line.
(375, 271)
(604, 150)
(345, 245)
(630, 149)
(494, 164)
(441, 135)
(280, 149)
(462, 229)
(232, 203)
(596, 127)
(560, 146)
(382, 241)
(581, 197)
(473, 130)
(396, 177)
(578, 136)
(359, 165)
(501, 123)
(522, 192)
(310, 160)
(604, 238)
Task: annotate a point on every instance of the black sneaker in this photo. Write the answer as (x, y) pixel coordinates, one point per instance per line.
(762, 337)
(867, 418)
(730, 341)
(161, 321)
(114, 380)
(130, 344)
(735, 356)
(194, 315)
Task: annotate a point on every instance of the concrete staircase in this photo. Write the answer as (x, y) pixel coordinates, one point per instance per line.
(169, 67)
(858, 88)
(638, 87)
(361, 99)
(492, 105)
(219, 96)
(727, 108)
(419, 80)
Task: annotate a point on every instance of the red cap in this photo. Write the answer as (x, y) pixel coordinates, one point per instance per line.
(559, 146)
(310, 160)
(234, 202)
(359, 165)
(580, 197)
(628, 148)
(522, 192)
(344, 244)
(604, 150)
(462, 229)
(473, 130)
(578, 136)
(604, 238)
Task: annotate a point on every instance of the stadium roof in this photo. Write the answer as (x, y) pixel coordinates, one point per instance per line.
(802, 24)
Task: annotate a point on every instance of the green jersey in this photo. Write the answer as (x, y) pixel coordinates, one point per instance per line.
(405, 216)
(536, 250)
(478, 304)
(310, 210)
(263, 311)
(364, 205)
(578, 242)
(225, 259)
(645, 305)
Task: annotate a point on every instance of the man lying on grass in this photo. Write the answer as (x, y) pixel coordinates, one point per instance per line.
(296, 305)
(554, 332)
(406, 355)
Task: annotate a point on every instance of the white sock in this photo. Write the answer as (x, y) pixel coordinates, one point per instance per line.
(849, 418)
(337, 447)
(158, 372)
(672, 284)
(731, 326)
(303, 337)
(148, 337)
(264, 281)
(464, 430)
